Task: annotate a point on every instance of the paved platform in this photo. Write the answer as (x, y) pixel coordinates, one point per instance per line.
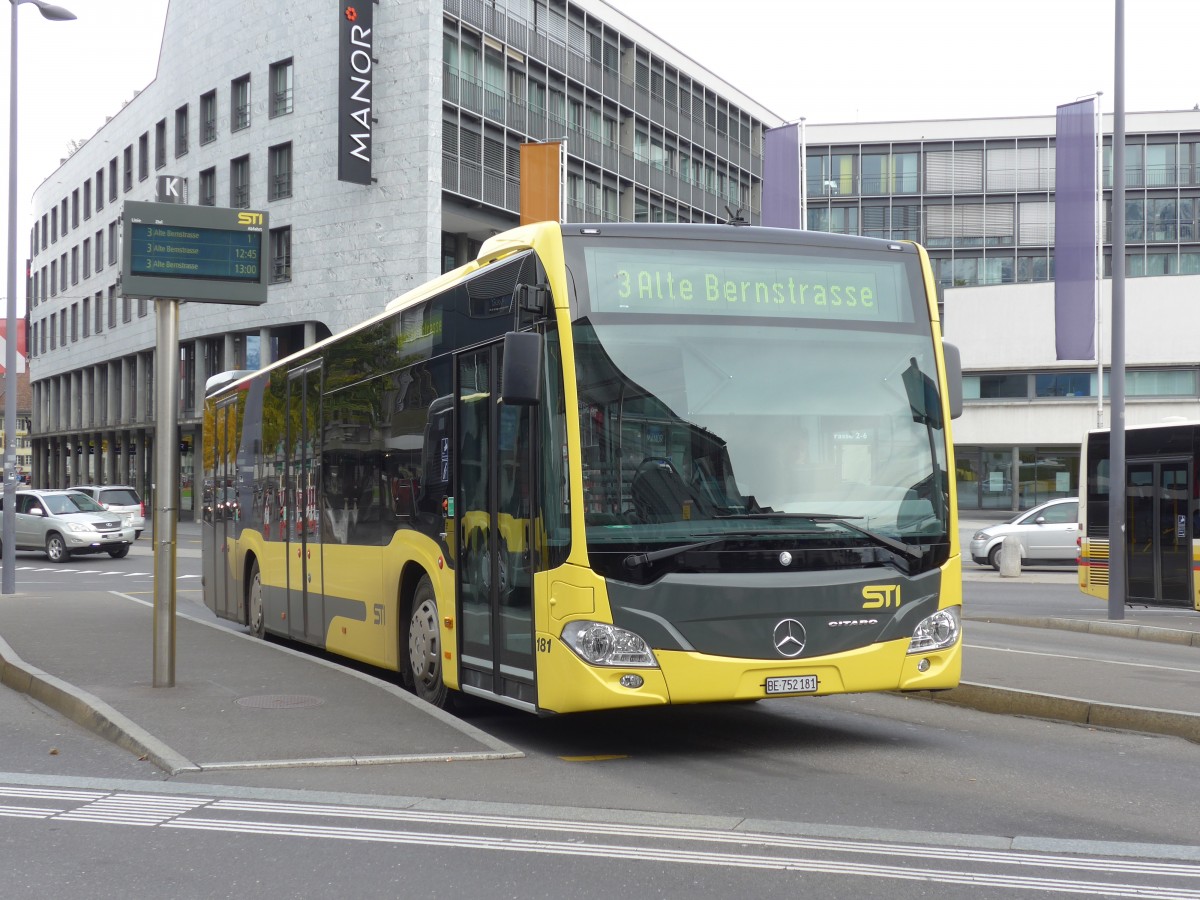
(240, 703)
(237, 702)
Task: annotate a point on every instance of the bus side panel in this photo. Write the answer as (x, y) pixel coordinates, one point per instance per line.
(362, 597)
(1093, 567)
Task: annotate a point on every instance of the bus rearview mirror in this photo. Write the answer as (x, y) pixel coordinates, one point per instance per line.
(521, 377)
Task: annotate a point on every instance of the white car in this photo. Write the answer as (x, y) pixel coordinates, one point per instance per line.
(65, 523)
(1046, 533)
(122, 499)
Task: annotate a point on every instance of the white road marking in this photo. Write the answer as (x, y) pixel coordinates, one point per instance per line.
(746, 849)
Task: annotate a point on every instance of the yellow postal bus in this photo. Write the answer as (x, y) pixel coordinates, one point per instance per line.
(610, 466)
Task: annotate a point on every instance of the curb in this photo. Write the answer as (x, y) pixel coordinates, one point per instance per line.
(1008, 701)
(1111, 629)
(89, 711)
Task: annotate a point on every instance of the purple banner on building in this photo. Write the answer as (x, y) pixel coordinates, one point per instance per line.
(1075, 231)
(781, 177)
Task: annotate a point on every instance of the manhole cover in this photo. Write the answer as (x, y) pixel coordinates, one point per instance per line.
(279, 701)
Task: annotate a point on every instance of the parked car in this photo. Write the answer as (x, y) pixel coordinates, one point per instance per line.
(64, 523)
(119, 498)
(1046, 533)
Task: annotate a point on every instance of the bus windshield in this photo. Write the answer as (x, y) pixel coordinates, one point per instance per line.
(700, 429)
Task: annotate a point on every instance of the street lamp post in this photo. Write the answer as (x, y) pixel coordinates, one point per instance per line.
(8, 583)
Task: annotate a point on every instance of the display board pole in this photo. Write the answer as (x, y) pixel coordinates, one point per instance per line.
(166, 487)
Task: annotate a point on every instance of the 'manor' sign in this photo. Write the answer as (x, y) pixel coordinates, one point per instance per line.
(203, 253)
(355, 76)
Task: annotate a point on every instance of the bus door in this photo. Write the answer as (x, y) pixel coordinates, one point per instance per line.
(1159, 531)
(306, 596)
(493, 500)
(218, 523)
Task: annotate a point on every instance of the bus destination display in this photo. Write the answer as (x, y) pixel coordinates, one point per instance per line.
(746, 284)
(171, 251)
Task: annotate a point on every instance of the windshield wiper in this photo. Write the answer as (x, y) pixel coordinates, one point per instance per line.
(641, 559)
(901, 552)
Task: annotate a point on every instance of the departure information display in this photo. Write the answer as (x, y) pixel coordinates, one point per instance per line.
(174, 252)
(195, 253)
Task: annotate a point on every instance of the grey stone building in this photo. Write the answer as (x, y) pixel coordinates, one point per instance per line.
(254, 109)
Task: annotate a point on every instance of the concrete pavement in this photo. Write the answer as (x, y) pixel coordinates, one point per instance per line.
(240, 703)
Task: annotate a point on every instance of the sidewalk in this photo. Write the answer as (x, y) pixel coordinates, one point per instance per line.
(241, 703)
(237, 702)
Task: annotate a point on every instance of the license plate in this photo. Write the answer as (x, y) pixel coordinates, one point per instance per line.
(792, 684)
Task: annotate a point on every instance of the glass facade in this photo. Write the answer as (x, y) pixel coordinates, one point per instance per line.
(1014, 478)
(975, 205)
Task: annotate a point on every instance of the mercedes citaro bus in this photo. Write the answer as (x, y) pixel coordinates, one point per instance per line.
(610, 466)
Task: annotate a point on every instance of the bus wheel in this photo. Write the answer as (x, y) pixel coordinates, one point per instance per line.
(425, 646)
(254, 603)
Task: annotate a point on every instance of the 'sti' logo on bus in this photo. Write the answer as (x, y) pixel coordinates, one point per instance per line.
(881, 596)
(249, 218)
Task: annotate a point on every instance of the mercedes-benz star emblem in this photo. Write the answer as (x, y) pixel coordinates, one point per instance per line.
(789, 638)
(785, 558)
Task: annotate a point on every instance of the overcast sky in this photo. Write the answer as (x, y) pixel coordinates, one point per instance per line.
(847, 60)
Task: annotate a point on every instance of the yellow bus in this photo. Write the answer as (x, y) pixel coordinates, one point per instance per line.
(609, 466)
(1162, 514)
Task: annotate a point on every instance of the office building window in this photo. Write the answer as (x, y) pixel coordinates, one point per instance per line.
(87, 257)
(86, 316)
(87, 199)
(112, 243)
(75, 208)
(281, 88)
(208, 117)
(62, 273)
(126, 309)
(112, 306)
(99, 311)
(160, 143)
(239, 103)
(127, 167)
(99, 189)
(181, 131)
(280, 171)
(99, 250)
(144, 156)
(281, 254)
(208, 187)
(996, 387)
(239, 182)
(54, 331)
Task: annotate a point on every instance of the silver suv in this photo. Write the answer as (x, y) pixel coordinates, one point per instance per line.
(63, 523)
(119, 498)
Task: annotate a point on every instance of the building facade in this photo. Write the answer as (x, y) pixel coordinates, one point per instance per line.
(447, 93)
(979, 194)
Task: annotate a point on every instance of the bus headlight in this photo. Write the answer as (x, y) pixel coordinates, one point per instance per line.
(936, 632)
(607, 645)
